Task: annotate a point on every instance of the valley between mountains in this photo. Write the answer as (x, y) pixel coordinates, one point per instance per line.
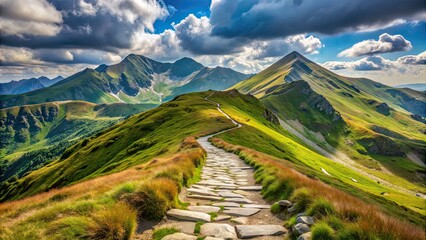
(149, 150)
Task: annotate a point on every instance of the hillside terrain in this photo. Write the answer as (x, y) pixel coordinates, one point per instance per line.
(136, 79)
(32, 135)
(146, 159)
(377, 126)
(27, 85)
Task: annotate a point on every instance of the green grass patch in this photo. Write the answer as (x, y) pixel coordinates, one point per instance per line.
(162, 232)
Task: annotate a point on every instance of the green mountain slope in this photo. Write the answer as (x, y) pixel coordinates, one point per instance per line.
(141, 158)
(217, 78)
(31, 135)
(380, 129)
(136, 79)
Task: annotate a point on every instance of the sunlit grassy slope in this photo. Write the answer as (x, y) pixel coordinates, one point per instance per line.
(131, 142)
(33, 135)
(269, 138)
(373, 134)
(144, 160)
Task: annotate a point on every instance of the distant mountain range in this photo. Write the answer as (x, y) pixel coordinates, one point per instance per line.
(414, 86)
(27, 85)
(136, 79)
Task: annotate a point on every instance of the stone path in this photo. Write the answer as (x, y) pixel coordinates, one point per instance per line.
(226, 200)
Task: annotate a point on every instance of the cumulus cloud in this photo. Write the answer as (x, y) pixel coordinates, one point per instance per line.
(36, 18)
(96, 24)
(195, 36)
(307, 44)
(413, 59)
(262, 19)
(370, 63)
(386, 43)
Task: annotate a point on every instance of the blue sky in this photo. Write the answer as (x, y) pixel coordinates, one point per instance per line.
(384, 40)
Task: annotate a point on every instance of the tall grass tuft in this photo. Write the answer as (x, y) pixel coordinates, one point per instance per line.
(321, 231)
(115, 223)
(320, 208)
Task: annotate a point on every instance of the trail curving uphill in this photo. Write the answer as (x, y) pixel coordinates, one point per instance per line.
(227, 200)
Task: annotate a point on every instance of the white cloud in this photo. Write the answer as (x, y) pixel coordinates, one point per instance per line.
(36, 17)
(307, 44)
(86, 8)
(386, 43)
(144, 12)
(370, 63)
(413, 59)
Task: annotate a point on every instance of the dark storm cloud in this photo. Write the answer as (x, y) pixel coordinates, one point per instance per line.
(274, 18)
(87, 25)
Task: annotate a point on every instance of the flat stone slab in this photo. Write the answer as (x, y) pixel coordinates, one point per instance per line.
(226, 204)
(251, 231)
(227, 194)
(204, 197)
(241, 211)
(220, 230)
(222, 218)
(204, 209)
(179, 236)
(238, 200)
(184, 227)
(250, 188)
(256, 206)
(202, 192)
(213, 238)
(240, 220)
(188, 215)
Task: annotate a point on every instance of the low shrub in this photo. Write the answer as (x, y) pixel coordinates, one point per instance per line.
(302, 197)
(117, 222)
(276, 208)
(153, 199)
(321, 231)
(320, 208)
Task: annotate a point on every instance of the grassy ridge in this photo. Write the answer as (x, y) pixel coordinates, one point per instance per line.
(129, 143)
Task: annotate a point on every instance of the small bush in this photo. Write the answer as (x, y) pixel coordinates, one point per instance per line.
(321, 207)
(335, 222)
(162, 232)
(351, 232)
(321, 231)
(276, 208)
(302, 198)
(115, 223)
(154, 199)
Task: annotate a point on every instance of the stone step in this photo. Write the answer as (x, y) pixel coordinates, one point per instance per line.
(204, 209)
(261, 206)
(219, 230)
(238, 200)
(244, 212)
(205, 192)
(226, 204)
(250, 188)
(179, 236)
(203, 197)
(188, 215)
(251, 231)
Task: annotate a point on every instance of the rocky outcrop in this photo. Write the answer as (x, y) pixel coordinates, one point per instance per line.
(382, 145)
(319, 102)
(383, 108)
